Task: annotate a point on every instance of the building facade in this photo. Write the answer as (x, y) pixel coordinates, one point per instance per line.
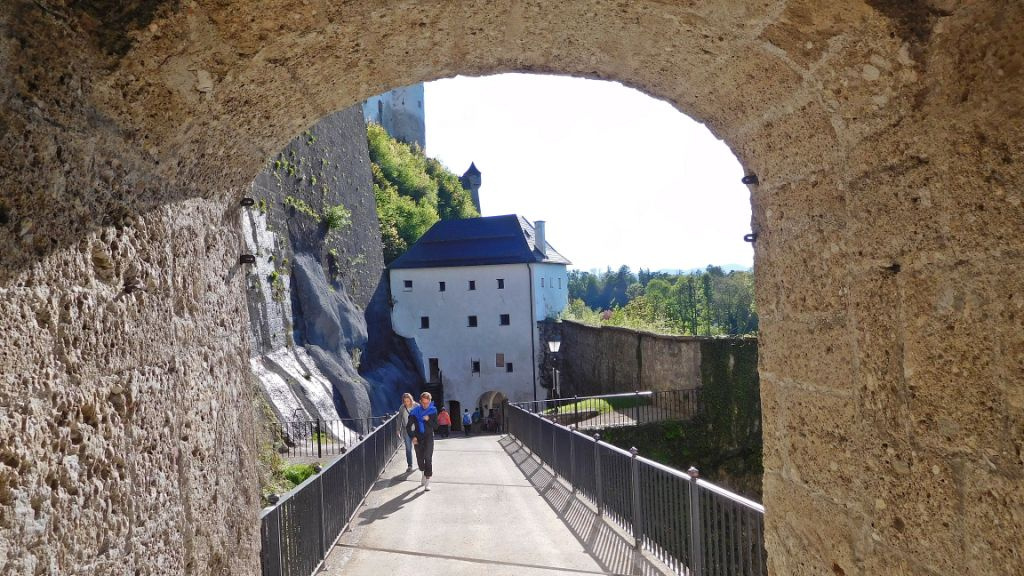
(401, 113)
(470, 293)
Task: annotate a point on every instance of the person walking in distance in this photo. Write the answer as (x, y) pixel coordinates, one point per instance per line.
(403, 417)
(467, 422)
(444, 422)
(426, 420)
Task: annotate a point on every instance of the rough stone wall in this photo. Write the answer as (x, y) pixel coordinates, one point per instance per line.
(608, 359)
(886, 137)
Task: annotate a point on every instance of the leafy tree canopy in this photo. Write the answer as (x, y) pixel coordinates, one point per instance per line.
(708, 302)
(412, 192)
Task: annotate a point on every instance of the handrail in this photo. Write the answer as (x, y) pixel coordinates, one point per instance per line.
(301, 527)
(694, 526)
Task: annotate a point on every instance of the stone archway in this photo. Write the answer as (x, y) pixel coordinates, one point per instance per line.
(885, 135)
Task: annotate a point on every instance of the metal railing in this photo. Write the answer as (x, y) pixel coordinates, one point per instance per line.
(612, 410)
(304, 524)
(317, 438)
(693, 526)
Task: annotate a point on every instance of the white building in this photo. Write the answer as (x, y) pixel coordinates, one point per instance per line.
(470, 292)
(401, 113)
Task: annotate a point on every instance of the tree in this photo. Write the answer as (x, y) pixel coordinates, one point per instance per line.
(412, 192)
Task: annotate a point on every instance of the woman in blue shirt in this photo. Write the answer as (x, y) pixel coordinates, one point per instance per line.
(423, 439)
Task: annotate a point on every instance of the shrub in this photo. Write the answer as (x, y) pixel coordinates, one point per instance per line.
(297, 473)
(337, 217)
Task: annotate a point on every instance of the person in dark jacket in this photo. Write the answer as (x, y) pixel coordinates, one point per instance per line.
(425, 415)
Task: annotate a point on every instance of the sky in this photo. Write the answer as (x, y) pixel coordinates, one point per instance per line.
(619, 177)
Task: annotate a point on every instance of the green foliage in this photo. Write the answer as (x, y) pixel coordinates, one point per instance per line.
(300, 206)
(298, 473)
(337, 217)
(600, 405)
(709, 302)
(725, 440)
(276, 280)
(412, 192)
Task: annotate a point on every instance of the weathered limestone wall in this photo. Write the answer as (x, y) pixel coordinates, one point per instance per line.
(607, 359)
(126, 420)
(887, 137)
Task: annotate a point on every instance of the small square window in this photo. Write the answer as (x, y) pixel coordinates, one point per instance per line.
(508, 367)
(407, 285)
(505, 320)
(499, 360)
(472, 284)
(440, 286)
(424, 321)
(476, 366)
(472, 321)
(501, 283)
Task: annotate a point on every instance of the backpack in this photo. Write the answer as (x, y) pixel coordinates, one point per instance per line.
(412, 426)
(467, 419)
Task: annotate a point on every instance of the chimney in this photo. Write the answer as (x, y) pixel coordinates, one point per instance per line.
(540, 238)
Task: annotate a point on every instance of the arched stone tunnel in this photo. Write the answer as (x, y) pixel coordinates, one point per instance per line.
(887, 140)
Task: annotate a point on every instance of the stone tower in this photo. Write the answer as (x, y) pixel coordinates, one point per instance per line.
(471, 181)
(401, 113)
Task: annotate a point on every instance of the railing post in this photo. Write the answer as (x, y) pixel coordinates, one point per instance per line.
(597, 475)
(638, 532)
(572, 460)
(319, 438)
(554, 448)
(320, 511)
(636, 407)
(576, 411)
(696, 537)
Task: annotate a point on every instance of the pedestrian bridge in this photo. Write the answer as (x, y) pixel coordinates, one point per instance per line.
(541, 499)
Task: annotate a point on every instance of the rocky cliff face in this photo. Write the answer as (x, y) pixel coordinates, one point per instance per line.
(318, 309)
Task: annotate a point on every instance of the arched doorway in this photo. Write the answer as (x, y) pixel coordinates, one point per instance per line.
(490, 405)
(885, 141)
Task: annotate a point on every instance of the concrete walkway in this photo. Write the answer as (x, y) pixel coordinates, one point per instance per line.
(491, 510)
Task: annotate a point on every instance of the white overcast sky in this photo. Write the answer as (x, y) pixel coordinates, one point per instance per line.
(620, 178)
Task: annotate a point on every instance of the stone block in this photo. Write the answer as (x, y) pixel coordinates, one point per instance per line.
(812, 351)
(792, 142)
(992, 517)
(799, 543)
(958, 398)
(823, 443)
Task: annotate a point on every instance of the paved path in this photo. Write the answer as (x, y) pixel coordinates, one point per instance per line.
(491, 510)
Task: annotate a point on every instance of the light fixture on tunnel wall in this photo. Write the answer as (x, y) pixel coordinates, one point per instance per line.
(752, 237)
(247, 201)
(750, 180)
(246, 259)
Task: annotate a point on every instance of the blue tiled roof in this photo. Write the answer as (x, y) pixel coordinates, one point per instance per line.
(508, 239)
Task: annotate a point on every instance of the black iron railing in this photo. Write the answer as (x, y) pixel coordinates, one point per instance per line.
(319, 438)
(693, 526)
(303, 525)
(612, 410)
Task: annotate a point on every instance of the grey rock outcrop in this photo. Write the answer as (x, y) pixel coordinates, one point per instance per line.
(318, 305)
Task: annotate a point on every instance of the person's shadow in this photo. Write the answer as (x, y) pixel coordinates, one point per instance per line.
(386, 509)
